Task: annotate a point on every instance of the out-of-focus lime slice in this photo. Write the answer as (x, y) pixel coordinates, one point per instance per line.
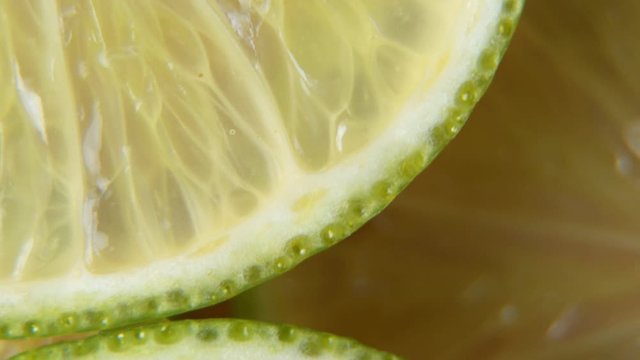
(210, 339)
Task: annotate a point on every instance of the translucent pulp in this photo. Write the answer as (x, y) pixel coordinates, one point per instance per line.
(137, 130)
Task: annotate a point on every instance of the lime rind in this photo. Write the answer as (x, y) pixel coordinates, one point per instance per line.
(227, 280)
(220, 338)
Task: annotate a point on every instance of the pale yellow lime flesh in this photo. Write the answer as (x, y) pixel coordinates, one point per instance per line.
(157, 156)
(142, 130)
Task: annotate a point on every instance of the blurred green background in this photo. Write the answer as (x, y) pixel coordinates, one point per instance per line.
(522, 240)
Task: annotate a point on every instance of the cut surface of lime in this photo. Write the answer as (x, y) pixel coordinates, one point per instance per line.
(210, 339)
(158, 156)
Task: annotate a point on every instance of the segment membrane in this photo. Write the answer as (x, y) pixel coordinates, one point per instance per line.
(136, 130)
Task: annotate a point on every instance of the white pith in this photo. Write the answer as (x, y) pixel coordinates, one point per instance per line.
(193, 349)
(266, 233)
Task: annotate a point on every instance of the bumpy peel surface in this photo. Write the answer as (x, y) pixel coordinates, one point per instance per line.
(157, 156)
(210, 339)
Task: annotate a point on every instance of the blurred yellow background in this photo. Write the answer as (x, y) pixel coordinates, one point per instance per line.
(522, 240)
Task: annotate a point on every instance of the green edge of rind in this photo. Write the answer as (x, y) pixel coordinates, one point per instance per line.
(308, 343)
(353, 214)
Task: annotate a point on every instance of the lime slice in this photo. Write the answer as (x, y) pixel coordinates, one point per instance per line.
(210, 339)
(159, 156)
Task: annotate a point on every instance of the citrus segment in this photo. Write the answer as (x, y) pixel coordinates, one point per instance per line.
(159, 156)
